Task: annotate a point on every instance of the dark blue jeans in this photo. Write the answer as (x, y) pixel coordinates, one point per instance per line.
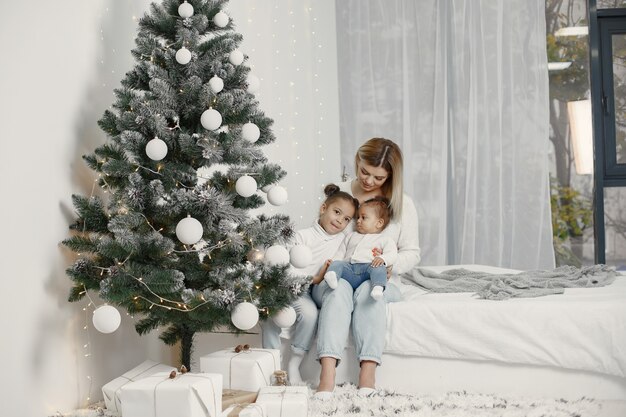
(357, 274)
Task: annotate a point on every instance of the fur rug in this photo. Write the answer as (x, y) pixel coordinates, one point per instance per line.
(345, 402)
(384, 403)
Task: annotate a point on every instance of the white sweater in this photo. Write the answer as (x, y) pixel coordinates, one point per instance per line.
(323, 246)
(357, 248)
(403, 231)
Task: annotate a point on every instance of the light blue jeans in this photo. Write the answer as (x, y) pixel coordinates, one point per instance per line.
(343, 305)
(356, 274)
(304, 328)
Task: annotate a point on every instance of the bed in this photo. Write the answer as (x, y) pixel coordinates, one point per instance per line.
(567, 346)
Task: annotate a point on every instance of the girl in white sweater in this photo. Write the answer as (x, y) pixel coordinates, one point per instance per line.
(323, 238)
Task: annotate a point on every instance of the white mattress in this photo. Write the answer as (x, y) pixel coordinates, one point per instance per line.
(582, 329)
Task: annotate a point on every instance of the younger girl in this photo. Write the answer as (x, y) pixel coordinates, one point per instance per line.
(323, 238)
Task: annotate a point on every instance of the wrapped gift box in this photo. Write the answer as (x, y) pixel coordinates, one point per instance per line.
(111, 390)
(234, 396)
(284, 401)
(186, 395)
(245, 410)
(247, 370)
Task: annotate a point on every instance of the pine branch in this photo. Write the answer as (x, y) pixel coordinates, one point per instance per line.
(92, 217)
(108, 123)
(82, 244)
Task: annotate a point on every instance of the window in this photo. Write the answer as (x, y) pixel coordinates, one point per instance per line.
(571, 152)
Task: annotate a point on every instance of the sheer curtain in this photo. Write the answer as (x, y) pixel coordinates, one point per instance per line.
(462, 86)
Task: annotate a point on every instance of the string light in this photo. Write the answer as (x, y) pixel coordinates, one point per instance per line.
(281, 20)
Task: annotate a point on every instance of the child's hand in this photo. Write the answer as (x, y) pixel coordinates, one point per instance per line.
(320, 275)
(378, 261)
(377, 252)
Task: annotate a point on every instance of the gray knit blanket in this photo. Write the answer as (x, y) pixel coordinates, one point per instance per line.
(505, 286)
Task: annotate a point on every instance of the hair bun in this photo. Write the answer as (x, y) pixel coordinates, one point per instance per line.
(330, 189)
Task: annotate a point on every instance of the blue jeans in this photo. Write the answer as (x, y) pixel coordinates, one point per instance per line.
(306, 323)
(343, 305)
(357, 274)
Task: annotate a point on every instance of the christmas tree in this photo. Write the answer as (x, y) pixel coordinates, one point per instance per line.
(172, 240)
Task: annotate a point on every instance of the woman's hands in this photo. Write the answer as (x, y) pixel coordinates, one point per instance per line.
(389, 268)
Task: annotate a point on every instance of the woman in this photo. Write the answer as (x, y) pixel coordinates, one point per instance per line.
(378, 165)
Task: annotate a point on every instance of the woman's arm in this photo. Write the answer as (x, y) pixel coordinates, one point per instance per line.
(408, 240)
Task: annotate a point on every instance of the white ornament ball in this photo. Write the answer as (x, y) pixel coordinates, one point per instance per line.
(300, 256)
(183, 56)
(106, 319)
(277, 196)
(189, 230)
(211, 119)
(221, 19)
(244, 316)
(245, 186)
(236, 57)
(286, 317)
(253, 83)
(156, 149)
(276, 255)
(216, 84)
(250, 132)
(185, 10)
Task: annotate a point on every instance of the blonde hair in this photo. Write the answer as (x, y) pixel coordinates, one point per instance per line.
(384, 153)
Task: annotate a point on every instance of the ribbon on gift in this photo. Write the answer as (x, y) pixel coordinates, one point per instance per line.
(284, 391)
(282, 398)
(247, 351)
(235, 409)
(231, 397)
(193, 389)
(132, 378)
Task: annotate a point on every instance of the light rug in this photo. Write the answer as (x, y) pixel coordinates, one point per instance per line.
(385, 403)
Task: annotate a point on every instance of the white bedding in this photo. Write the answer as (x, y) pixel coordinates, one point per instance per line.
(582, 329)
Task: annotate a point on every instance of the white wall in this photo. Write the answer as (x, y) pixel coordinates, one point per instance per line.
(291, 47)
(62, 61)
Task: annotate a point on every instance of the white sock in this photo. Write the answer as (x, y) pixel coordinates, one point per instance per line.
(293, 368)
(331, 279)
(377, 292)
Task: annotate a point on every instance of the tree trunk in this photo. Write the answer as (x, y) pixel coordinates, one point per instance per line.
(186, 344)
(559, 139)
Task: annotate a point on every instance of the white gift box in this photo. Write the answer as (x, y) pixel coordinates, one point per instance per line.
(284, 401)
(245, 410)
(247, 370)
(186, 395)
(111, 390)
